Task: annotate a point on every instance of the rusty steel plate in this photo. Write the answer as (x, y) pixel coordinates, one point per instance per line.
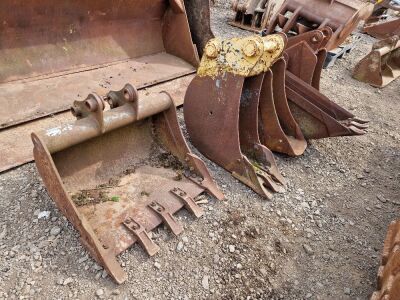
(53, 52)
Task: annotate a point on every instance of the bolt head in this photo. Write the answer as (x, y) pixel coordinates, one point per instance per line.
(251, 48)
(212, 49)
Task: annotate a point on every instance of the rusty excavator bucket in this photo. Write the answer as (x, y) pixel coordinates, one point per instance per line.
(254, 15)
(382, 65)
(388, 282)
(317, 116)
(222, 105)
(86, 46)
(300, 16)
(383, 30)
(117, 174)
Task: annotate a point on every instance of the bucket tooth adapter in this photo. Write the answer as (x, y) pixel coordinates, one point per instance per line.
(221, 108)
(382, 65)
(118, 174)
(317, 116)
(388, 282)
(254, 15)
(300, 16)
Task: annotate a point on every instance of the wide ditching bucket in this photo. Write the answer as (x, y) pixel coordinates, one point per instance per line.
(80, 46)
(382, 65)
(118, 174)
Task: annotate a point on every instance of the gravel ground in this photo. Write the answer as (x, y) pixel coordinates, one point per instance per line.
(321, 239)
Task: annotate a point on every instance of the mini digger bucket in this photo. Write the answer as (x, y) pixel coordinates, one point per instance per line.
(222, 107)
(382, 65)
(118, 174)
(317, 116)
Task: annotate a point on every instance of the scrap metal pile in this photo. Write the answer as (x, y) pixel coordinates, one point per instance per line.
(123, 167)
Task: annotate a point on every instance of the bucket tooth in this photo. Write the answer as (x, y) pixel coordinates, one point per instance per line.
(167, 217)
(189, 202)
(202, 177)
(112, 176)
(382, 65)
(269, 181)
(360, 121)
(358, 125)
(249, 124)
(142, 236)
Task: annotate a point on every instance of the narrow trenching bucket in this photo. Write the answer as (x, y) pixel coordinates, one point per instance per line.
(84, 46)
(221, 109)
(317, 116)
(382, 65)
(120, 173)
(300, 16)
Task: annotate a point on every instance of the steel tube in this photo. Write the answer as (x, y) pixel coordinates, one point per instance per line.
(68, 135)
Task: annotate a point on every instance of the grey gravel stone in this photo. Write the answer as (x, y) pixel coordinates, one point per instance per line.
(308, 249)
(55, 231)
(205, 282)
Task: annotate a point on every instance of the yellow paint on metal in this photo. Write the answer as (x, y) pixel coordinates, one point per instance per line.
(248, 56)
